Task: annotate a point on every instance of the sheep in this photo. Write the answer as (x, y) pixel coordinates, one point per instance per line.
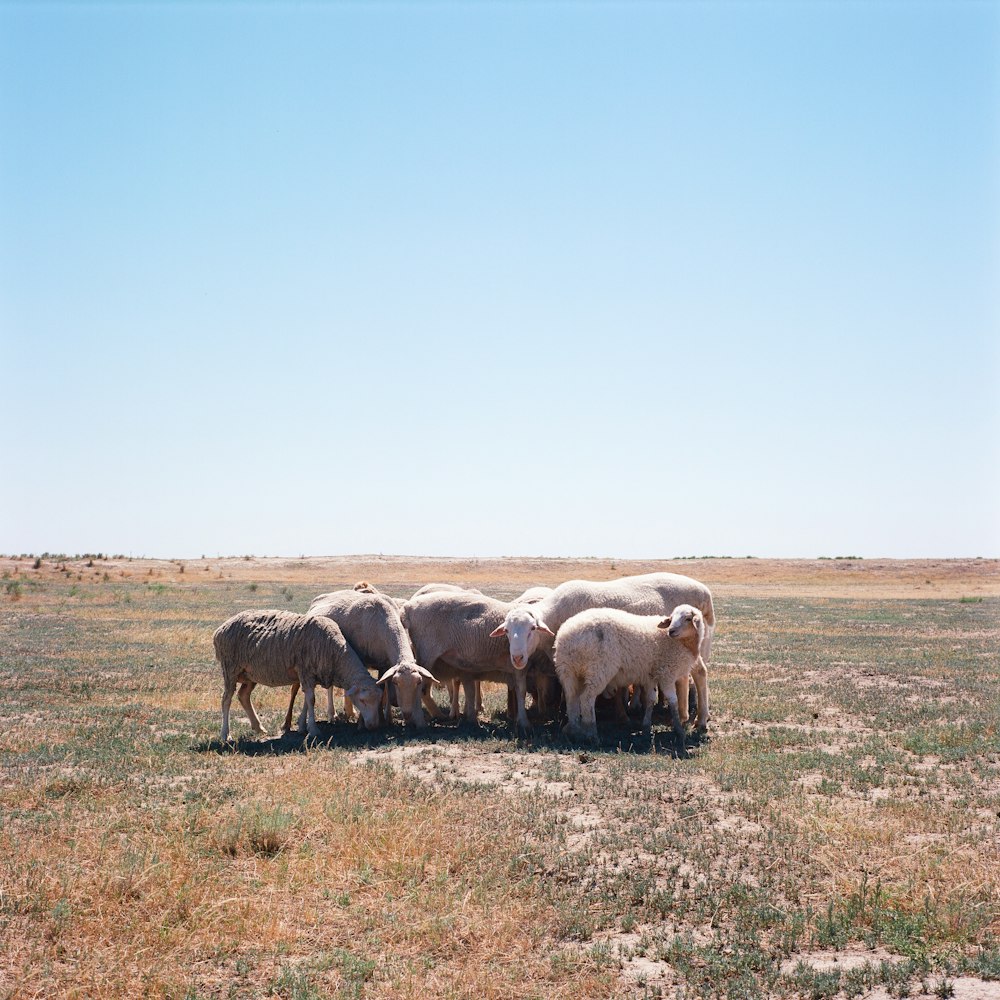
(443, 588)
(541, 675)
(533, 595)
(278, 648)
(454, 684)
(532, 628)
(606, 648)
(371, 624)
(452, 636)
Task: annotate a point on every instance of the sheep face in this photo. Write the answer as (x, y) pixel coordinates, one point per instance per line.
(410, 681)
(524, 630)
(367, 700)
(685, 623)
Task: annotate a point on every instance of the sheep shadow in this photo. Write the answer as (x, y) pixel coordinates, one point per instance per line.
(496, 733)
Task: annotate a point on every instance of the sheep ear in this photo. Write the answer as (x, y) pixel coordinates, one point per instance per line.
(542, 627)
(499, 631)
(424, 672)
(663, 623)
(387, 676)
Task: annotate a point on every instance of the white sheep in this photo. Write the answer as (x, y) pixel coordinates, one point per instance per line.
(279, 648)
(371, 624)
(533, 595)
(607, 649)
(451, 633)
(444, 588)
(531, 628)
(541, 675)
(454, 684)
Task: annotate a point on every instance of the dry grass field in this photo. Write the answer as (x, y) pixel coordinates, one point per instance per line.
(836, 833)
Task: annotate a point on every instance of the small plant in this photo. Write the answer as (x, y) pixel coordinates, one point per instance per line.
(13, 588)
(37, 564)
(260, 831)
(252, 588)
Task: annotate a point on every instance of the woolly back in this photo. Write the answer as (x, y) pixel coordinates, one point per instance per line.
(370, 623)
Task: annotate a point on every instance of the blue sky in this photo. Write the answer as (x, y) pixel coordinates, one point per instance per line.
(634, 280)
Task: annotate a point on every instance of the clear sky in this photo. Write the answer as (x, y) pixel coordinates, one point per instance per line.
(610, 279)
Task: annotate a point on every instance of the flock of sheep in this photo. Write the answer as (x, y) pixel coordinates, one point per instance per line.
(636, 639)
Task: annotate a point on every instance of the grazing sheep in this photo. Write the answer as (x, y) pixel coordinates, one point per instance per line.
(605, 648)
(278, 648)
(370, 623)
(451, 633)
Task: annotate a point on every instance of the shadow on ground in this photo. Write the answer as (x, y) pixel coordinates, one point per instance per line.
(496, 734)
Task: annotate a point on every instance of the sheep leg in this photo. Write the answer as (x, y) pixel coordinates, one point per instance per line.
(469, 687)
(681, 686)
(244, 696)
(588, 715)
(227, 699)
(454, 685)
(649, 699)
(521, 693)
(621, 702)
(511, 703)
(635, 701)
(348, 707)
(331, 711)
(479, 697)
(545, 686)
(433, 710)
(571, 691)
(287, 725)
(675, 718)
(309, 693)
(700, 674)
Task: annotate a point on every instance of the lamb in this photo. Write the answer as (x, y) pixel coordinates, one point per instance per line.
(278, 648)
(531, 628)
(371, 624)
(606, 648)
(452, 636)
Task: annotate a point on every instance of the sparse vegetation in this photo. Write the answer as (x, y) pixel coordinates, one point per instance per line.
(839, 807)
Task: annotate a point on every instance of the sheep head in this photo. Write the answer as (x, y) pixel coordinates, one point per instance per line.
(524, 629)
(367, 700)
(410, 680)
(686, 624)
